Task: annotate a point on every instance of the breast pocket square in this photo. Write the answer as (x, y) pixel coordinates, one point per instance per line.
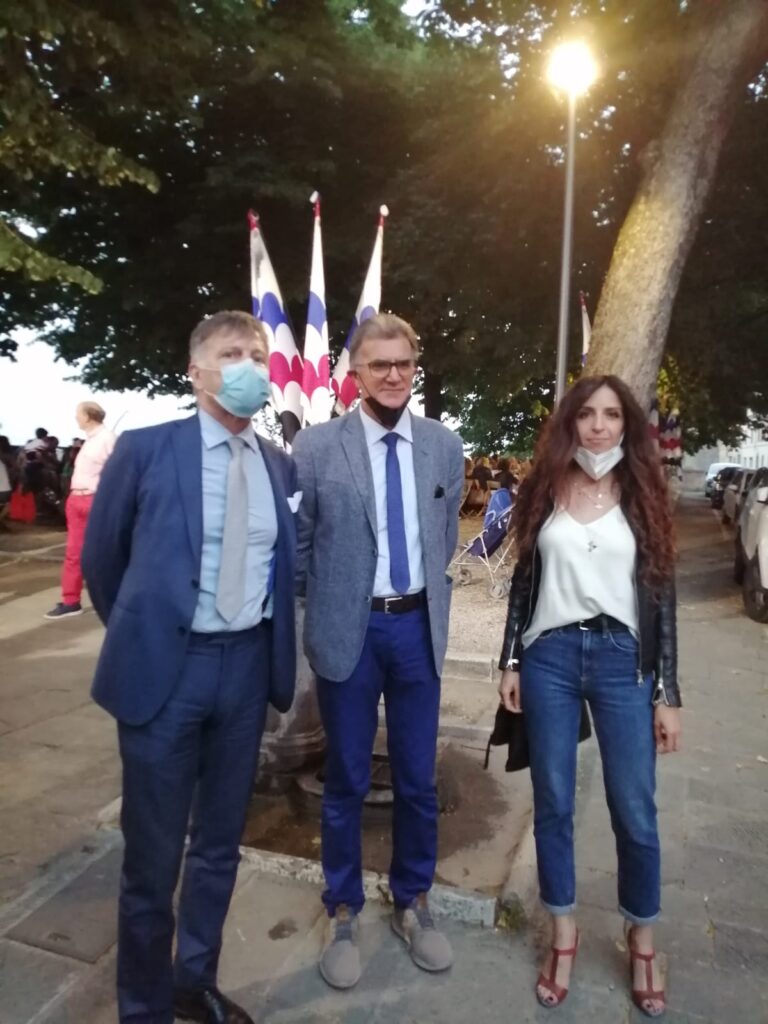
(294, 500)
(439, 491)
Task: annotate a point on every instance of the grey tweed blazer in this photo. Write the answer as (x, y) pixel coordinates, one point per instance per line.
(337, 534)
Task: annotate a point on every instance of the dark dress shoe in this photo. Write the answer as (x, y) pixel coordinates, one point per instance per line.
(208, 1006)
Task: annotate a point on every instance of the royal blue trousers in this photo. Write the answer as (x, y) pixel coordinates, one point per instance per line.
(396, 661)
(559, 669)
(198, 756)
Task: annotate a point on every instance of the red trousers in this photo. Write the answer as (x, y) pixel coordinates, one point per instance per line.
(78, 510)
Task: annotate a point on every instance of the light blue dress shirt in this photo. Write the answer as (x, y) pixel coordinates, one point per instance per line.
(377, 452)
(262, 529)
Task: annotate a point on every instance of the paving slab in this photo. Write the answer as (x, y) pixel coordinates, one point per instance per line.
(80, 921)
(32, 980)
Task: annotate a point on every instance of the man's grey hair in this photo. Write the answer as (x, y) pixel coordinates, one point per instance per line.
(382, 325)
(227, 321)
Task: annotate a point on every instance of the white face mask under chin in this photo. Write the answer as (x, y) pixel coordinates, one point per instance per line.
(598, 464)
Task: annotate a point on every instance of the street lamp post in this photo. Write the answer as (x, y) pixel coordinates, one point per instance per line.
(571, 70)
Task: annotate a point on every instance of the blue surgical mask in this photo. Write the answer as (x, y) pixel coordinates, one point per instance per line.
(244, 388)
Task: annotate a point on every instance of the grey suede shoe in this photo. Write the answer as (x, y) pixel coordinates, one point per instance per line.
(429, 948)
(340, 959)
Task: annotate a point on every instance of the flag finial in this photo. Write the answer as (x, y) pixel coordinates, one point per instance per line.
(315, 200)
(383, 214)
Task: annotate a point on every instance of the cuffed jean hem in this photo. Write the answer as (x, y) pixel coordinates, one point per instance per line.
(635, 920)
(558, 911)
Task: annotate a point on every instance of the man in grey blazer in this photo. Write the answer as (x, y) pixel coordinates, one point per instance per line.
(378, 525)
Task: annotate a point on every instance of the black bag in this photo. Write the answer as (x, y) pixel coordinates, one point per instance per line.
(509, 728)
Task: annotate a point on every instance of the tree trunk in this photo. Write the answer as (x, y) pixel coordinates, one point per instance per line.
(433, 395)
(636, 301)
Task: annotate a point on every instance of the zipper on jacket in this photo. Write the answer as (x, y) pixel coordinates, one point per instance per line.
(639, 632)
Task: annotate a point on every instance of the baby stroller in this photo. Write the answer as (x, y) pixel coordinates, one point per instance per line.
(493, 548)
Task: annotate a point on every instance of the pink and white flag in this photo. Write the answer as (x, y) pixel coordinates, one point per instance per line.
(344, 386)
(285, 366)
(316, 391)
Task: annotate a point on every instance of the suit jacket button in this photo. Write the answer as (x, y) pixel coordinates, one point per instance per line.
(182, 631)
(195, 584)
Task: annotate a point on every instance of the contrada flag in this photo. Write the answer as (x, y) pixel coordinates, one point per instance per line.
(315, 388)
(586, 329)
(344, 386)
(653, 425)
(285, 369)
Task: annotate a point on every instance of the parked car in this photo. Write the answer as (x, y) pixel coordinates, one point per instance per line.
(712, 472)
(721, 481)
(734, 494)
(750, 567)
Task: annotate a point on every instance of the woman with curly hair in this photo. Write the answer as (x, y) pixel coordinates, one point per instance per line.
(592, 617)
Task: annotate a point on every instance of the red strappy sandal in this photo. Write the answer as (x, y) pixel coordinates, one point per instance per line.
(550, 984)
(641, 996)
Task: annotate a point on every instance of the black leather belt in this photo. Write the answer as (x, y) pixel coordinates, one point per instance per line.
(398, 605)
(601, 624)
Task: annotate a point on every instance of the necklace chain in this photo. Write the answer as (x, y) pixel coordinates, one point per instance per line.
(593, 496)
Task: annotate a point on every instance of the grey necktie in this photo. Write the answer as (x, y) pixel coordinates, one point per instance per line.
(230, 591)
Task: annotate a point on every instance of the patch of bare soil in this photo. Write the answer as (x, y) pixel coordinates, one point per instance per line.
(471, 803)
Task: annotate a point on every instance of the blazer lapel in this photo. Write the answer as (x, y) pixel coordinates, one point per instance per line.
(277, 481)
(188, 454)
(356, 450)
(424, 471)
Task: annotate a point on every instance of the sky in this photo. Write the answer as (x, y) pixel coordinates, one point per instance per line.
(35, 392)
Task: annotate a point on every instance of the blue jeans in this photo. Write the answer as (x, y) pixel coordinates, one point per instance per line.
(559, 669)
(397, 661)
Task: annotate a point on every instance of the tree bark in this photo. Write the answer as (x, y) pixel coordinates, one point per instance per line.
(638, 295)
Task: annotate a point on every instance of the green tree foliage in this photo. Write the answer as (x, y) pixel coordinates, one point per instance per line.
(66, 66)
(449, 121)
(496, 191)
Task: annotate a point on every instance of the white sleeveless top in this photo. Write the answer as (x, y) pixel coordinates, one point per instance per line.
(586, 569)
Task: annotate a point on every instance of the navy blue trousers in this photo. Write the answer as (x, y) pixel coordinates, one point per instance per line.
(397, 661)
(198, 756)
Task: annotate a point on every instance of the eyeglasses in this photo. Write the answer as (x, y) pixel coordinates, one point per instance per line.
(381, 368)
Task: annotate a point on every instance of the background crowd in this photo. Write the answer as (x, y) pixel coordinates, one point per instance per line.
(35, 477)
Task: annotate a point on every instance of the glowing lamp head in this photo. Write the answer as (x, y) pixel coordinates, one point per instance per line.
(572, 68)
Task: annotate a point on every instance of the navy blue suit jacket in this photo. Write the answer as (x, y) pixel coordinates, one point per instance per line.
(141, 561)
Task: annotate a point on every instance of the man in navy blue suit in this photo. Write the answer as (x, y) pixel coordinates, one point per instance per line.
(189, 558)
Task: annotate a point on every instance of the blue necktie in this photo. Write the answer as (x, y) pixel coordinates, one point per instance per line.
(399, 573)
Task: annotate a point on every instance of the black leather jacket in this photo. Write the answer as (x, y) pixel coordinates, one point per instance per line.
(657, 612)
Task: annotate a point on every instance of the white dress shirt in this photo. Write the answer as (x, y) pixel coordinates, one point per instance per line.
(377, 453)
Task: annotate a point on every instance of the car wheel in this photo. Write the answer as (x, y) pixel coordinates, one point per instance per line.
(738, 561)
(755, 595)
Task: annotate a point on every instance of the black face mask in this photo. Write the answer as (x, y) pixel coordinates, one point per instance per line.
(387, 417)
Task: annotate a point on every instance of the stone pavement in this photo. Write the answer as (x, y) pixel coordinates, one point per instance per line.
(58, 872)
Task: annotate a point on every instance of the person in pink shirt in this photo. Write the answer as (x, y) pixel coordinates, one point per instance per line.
(98, 446)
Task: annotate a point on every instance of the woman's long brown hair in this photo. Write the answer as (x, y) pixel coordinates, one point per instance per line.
(644, 497)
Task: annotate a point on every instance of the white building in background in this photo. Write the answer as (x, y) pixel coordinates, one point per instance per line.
(753, 450)
(751, 453)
